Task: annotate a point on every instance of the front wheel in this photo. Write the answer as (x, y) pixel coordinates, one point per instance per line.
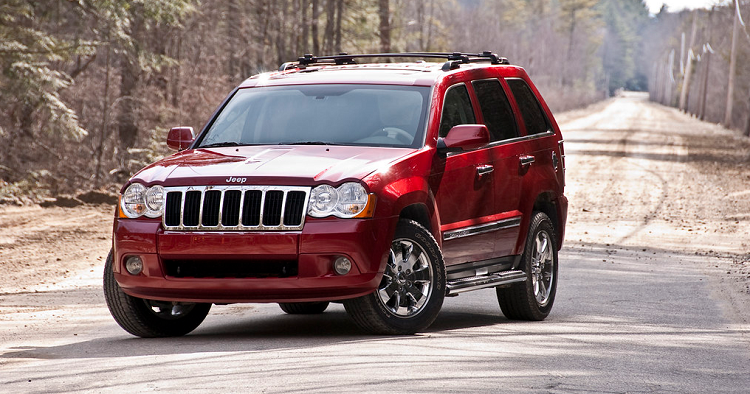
(533, 298)
(150, 318)
(412, 290)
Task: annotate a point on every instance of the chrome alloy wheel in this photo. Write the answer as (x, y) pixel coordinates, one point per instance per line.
(406, 285)
(542, 268)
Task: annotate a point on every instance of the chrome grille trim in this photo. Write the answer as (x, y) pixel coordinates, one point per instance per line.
(286, 190)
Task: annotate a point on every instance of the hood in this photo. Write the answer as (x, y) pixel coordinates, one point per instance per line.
(304, 165)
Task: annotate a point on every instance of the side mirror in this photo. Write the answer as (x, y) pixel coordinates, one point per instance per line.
(465, 137)
(180, 138)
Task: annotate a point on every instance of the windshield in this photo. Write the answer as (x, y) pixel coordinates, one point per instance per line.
(366, 115)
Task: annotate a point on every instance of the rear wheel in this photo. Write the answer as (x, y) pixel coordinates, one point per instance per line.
(303, 308)
(412, 290)
(533, 298)
(150, 318)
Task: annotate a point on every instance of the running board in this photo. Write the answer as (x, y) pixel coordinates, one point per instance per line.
(480, 282)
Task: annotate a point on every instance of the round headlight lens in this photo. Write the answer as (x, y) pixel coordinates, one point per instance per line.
(133, 201)
(323, 200)
(346, 201)
(352, 200)
(154, 201)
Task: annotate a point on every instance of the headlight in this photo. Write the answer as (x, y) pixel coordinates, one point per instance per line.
(154, 201)
(138, 200)
(346, 201)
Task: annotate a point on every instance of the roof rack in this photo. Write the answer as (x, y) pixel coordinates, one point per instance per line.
(454, 59)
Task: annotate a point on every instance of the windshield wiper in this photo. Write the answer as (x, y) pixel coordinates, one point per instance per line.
(220, 144)
(307, 143)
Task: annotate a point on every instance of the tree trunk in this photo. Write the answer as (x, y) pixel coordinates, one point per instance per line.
(99, 153)
(130, 74)
(314, 27)
(304, 45)
(233, 34)
(385, 26)
(330, 22)
(339, 13)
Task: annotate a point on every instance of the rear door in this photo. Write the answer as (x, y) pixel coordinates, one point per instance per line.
(505, 149)
(538, 159)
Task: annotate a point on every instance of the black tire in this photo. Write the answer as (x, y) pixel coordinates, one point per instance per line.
(412, 290)
(149, 318)
(304, 308)
(533, 298)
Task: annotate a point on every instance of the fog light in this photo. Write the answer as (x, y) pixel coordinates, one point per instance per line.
(134, 265)
(342, 265)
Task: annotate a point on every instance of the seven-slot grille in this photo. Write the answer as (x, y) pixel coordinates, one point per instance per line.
(235, 208)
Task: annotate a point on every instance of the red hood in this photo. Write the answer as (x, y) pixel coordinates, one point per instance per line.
(288, 165)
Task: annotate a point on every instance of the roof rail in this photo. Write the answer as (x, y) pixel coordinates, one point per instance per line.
(454, 59)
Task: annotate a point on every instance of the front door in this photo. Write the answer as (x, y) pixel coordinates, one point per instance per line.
(463, 184)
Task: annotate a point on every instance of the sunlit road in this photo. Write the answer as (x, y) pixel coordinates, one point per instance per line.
(634, 313)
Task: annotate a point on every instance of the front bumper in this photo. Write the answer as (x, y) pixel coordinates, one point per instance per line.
(365, 242)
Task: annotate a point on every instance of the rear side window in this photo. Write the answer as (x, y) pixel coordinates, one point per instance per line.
(456, 109)
(498, 116)
(531, 111)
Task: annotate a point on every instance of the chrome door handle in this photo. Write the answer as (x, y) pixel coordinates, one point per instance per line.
(527, 160)
(485, 169)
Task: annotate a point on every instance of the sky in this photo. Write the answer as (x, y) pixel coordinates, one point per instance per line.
(677, 5)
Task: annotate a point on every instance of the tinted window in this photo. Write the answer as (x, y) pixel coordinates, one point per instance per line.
(456, 109)
(340, 114)
(532, 113)
(498, 117)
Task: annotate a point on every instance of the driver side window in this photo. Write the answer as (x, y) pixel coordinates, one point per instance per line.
(456, 109)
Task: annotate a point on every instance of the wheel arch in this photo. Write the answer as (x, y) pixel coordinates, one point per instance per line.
(546, 202)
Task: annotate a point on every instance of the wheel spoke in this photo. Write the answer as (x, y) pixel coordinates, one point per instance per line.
(542, 244)
(542, 290)
(422, 274)
(396, 301)
(411, 304)
(414, 292)
(406, 250)
(392, 261)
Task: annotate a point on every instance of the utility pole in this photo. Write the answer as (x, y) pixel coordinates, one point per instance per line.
(732, 66)
(684, 93)
(707, 51)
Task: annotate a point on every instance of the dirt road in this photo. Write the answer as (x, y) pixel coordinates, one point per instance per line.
(654, 292)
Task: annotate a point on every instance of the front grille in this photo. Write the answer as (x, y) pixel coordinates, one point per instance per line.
(231, 268)
(235, 208)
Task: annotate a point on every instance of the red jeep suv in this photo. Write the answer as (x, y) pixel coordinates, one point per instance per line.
(384, 186)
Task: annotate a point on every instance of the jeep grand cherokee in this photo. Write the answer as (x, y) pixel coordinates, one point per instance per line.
(383, 186)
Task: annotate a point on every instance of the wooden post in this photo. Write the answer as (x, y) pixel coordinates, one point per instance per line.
(732, 66)
(706, 72)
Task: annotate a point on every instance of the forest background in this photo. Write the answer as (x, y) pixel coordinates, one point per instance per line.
(89, 88)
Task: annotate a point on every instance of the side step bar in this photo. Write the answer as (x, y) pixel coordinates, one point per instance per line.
(480, 282)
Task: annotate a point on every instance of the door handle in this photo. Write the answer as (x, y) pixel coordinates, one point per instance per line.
(485, 169)
(526, 160)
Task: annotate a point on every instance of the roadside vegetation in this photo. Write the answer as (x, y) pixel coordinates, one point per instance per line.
(90, 87)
